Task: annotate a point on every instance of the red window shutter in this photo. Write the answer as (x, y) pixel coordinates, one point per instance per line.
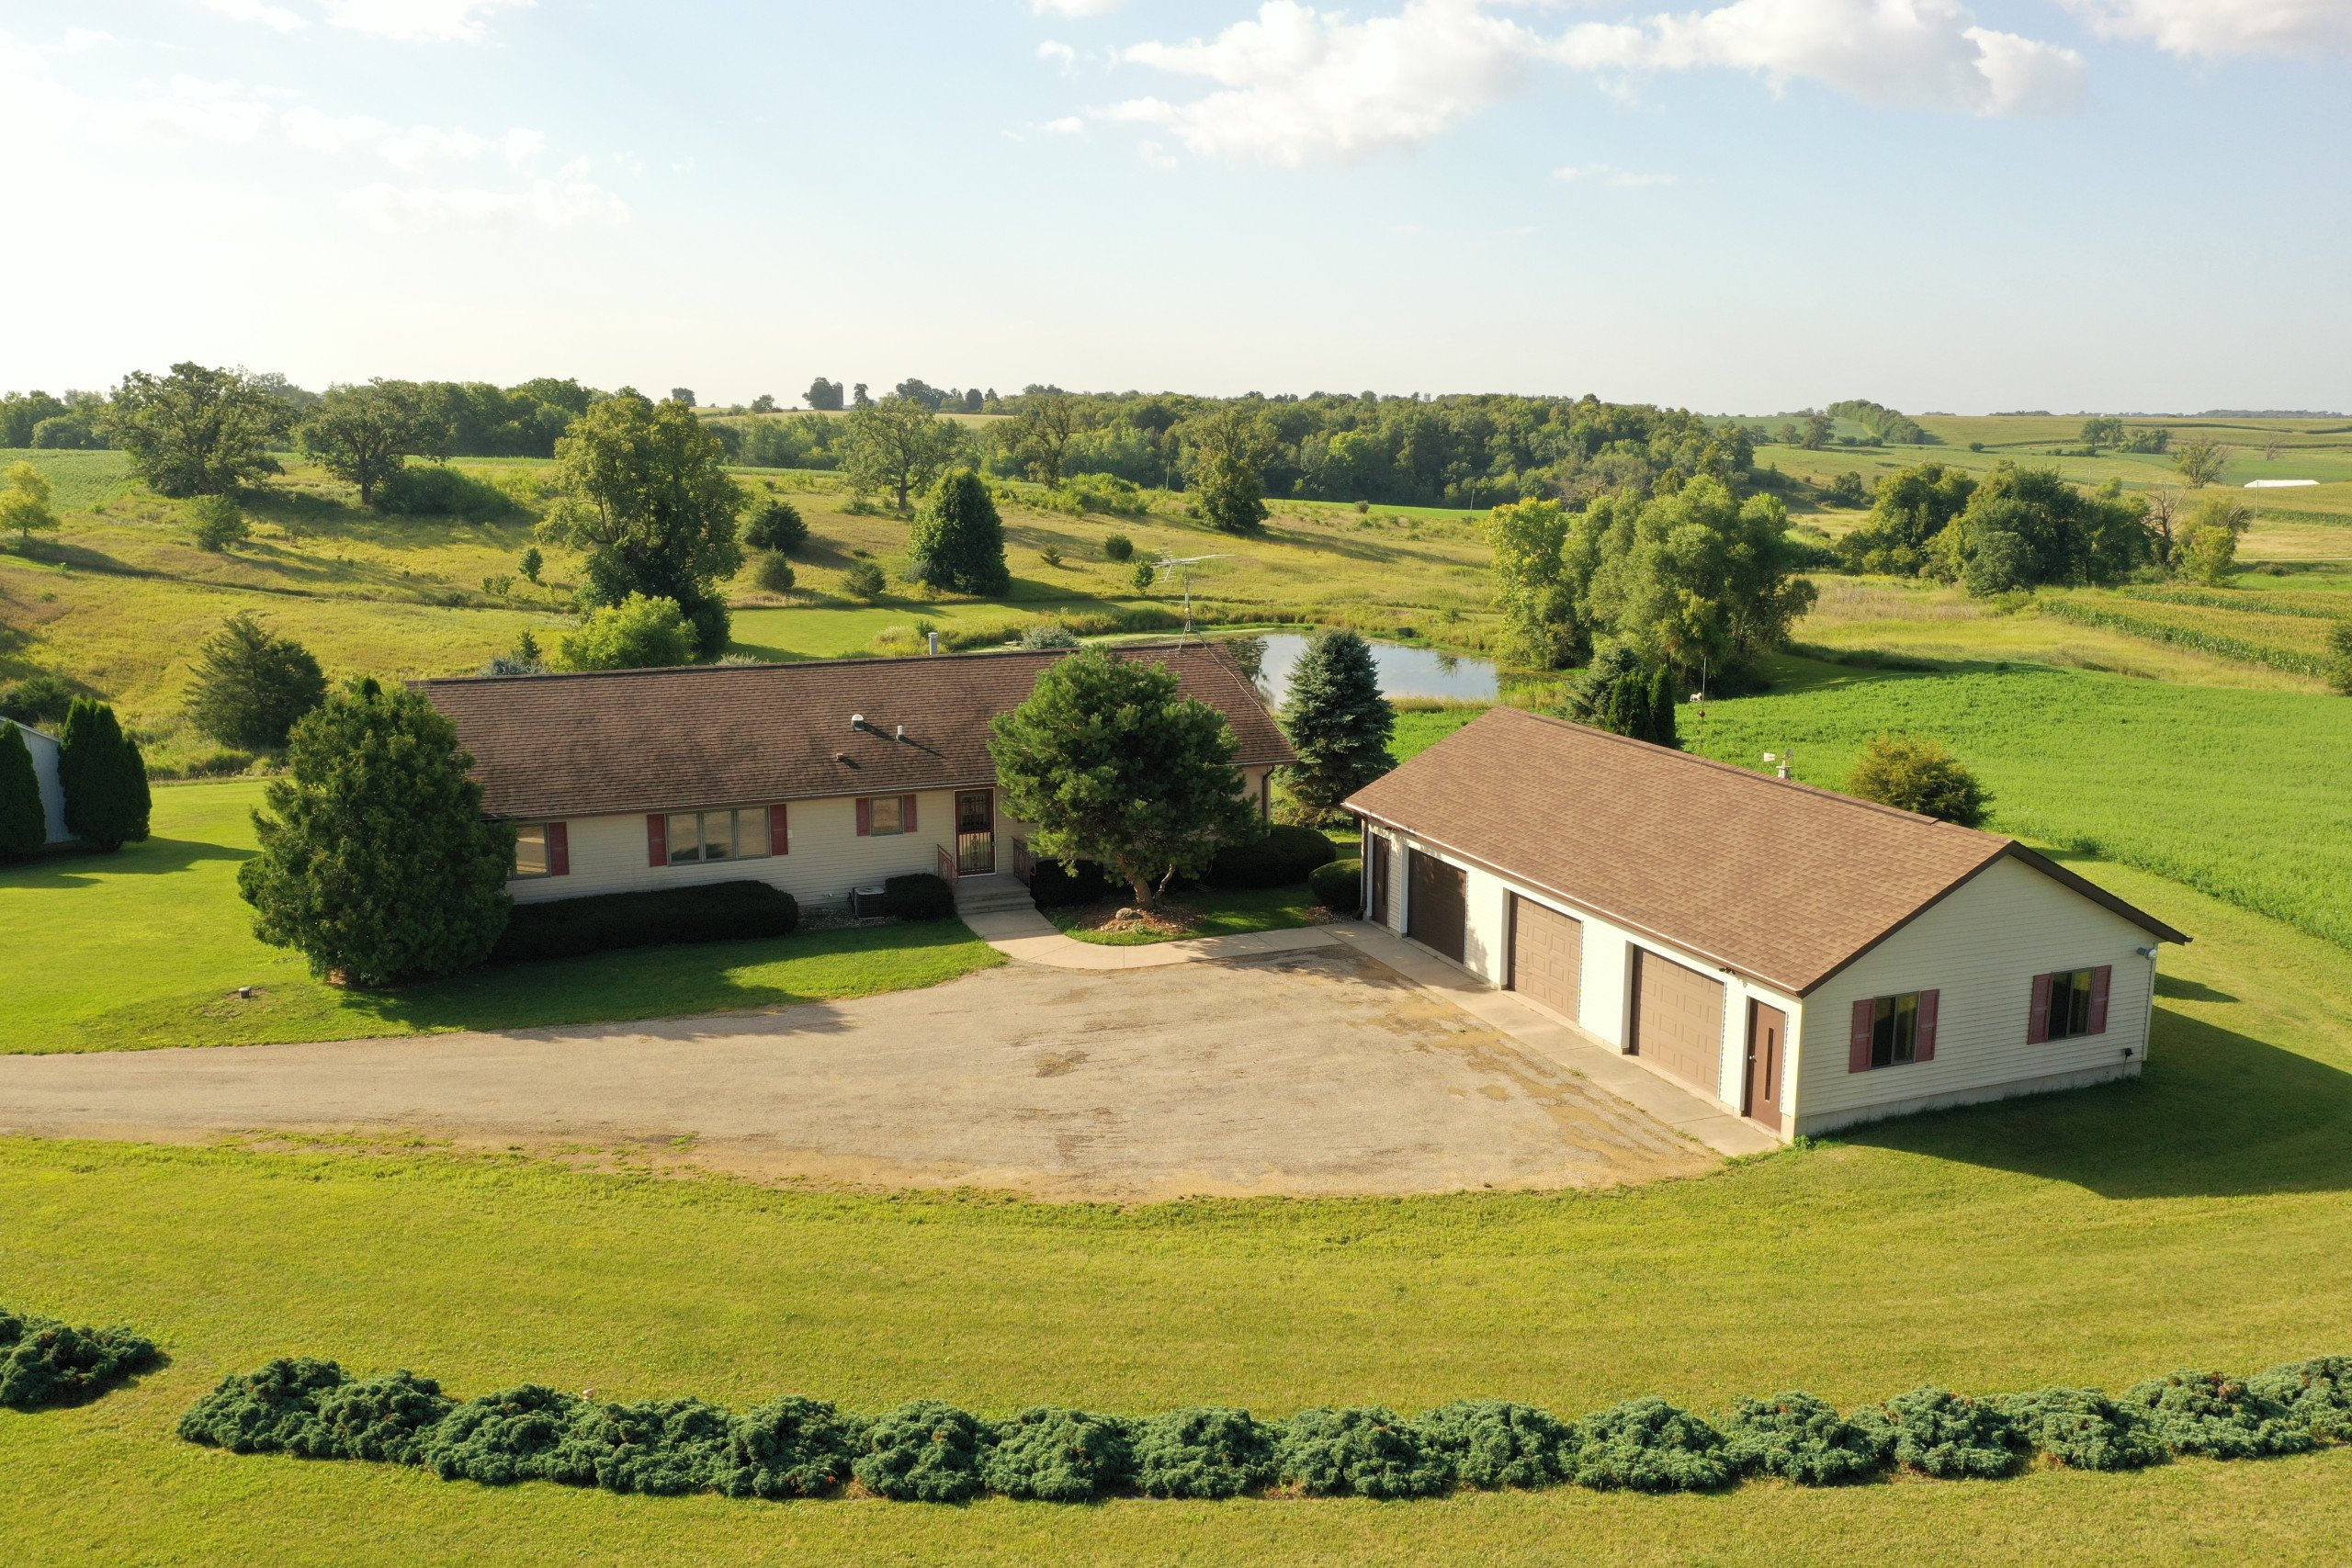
(906, 813)
(1923, 1043)
(1858, 1053)
(2100, 978)
(657, 841)
(2037, 1022)
(779, 832)
(559, 849)
(864, 816)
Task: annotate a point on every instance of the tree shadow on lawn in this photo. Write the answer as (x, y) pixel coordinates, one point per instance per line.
(2215, 1114)
(81, 867)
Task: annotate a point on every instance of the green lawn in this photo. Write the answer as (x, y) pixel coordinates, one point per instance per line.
(2196, 1217)
(146, 947)
(1211, 912)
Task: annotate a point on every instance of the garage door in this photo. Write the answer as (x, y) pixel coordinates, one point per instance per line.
(1435, 902)
(1678, 1021)
(1546, 955)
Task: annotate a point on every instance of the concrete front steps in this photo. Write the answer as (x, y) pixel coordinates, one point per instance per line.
(991, 895)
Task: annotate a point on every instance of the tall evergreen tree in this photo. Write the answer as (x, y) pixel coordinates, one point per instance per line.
(103, 775)
(958, 539)
(250, 686)
(1620, 693)
(1337, 721)
(23, 823)
(376, 863)
(1662, 730)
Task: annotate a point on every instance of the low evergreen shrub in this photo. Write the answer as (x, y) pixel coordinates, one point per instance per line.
(2214, 1414)
(918, 895)
(715, 911)
(44, 1362)
(662, 1448)
(1338, 886)
(1057, 884)
(1493, 1442)
(1802, 1439)
(2083, 1429)
(1205, 1452)
(1283, 855)
(1647, 1445)
(1049, 1455)
(1118, 547)
(774, 573)
(274, 1410)
(437, 490)
(788, 1447)
(500, 1439)
(1953, 1437)
(381, 1419)
(2317, 1393)
(924, 1452)
(1364, 1451)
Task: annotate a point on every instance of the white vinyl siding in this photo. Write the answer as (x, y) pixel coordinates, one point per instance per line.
(52, 793)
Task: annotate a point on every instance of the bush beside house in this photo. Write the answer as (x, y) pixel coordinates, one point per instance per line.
(716, 912)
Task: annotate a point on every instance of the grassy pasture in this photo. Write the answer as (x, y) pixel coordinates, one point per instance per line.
(146, 947)
(2191, 1218)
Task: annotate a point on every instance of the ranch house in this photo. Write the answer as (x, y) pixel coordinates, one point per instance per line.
(1802, 958)
(822, 778)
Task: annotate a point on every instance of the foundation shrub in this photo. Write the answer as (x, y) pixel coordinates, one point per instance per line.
(1803, 1438)
(1953, 1437)
(1364, 1451)
(1647, 1445)
(717, 912)
(923, 1452)
(1338, 886)
(661, 1448)
(1205, 1452)
(1493, 1442)
(2083, 1429)
(1280, 856)
(2317, 1393)
(44, 1362)
(273, 1410)
(500, 1439)
(2216, 1415)
(1057, 884)
(788, 1447)
(918, 895)
(1049, 1455)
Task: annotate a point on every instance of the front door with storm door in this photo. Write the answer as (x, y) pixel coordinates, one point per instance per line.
(1768, 1035)
(976, 833)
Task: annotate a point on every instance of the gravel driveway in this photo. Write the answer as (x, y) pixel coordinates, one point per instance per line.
(1320, 1072)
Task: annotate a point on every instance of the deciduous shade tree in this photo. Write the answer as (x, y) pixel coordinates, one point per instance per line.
(776, 525)
(1912, 506)
(2339, 657)
(376, 863)
(646, 497)
(2024, 528)
(1915, 772)
(2201, 461)
(1037, 441)
(1231, 447)
(365, 434)
(1337, 721)
(197, 431)
(638, 632)
(899, 446)
(24, 504)
(1620, 694)
(1114, 766)
(824, 395)
(103, 776)
(251, 687)
(958, 539)
(24, 822)
(2209, 542)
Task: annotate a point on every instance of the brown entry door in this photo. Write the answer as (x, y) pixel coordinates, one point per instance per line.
(1546, 955)
(1768, 1049)
(1678, 1021)
(1437, 903)
(1377, 846)
(976, 833)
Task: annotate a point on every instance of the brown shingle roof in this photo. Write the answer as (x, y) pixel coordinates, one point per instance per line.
(628, 741)
(1775, 880)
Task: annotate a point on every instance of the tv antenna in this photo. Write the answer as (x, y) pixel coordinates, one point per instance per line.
(1184, 580)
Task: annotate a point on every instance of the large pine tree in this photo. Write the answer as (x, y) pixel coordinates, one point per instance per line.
(958, 539)
(24, 824)
(104, 777)
(1336, 720)
(251, 687)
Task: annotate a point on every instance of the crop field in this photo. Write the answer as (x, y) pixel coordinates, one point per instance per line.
(2215, 1185)
(2288, 641)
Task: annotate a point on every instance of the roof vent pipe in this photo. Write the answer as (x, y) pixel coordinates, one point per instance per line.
(902, 732)
(933, 640)
(857, 721)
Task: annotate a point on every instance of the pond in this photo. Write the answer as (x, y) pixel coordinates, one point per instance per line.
(1404, 672)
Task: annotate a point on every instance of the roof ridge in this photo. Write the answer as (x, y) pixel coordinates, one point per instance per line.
(835, 663)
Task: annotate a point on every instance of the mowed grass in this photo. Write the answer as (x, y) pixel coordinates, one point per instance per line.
(1208, 911)
(147, 948)
(2196, 1217)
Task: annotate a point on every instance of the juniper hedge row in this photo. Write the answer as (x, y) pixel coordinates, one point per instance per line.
(44, 1362)
(929, 1451)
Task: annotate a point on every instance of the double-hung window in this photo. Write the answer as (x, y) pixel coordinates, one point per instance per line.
(2069, 1004)
(542, 849)
(885, 816)
(1893, 1032)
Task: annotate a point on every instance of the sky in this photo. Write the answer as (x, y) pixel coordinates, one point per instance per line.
(1749, 205)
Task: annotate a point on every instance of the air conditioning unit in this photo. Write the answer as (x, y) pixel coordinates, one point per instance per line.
(867, 903)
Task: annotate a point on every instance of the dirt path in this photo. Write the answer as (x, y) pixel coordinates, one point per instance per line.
(1310, 1073)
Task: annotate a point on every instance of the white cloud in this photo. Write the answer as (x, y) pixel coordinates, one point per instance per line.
(2223, 27)
(1155, 156)
(407, 148)
(189, 108)
(1294, 85)
(568, 199)
(419, 21)
(259, 11)
(1073, 7)
(1061, 54)
(1067, 125)
(81, 41)
(1623, 179)
(316, 131)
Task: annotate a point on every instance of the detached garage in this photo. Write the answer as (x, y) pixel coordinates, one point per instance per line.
(1802, 958)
